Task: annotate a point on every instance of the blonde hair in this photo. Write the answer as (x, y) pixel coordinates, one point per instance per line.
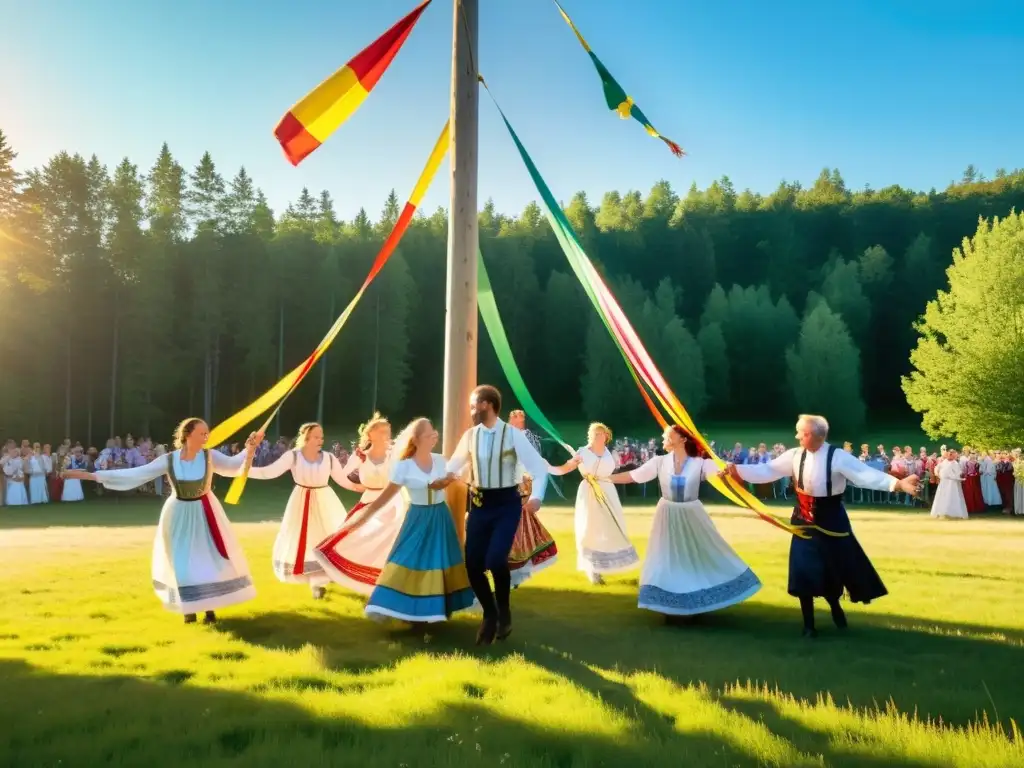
(596, 427)
(184, 429)
(515, 413)
(365, 429)
(303, 434)
(405, 444)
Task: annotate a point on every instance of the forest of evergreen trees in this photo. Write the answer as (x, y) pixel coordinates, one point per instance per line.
(134, 296)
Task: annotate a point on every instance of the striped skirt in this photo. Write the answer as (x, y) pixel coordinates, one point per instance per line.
(424, 578)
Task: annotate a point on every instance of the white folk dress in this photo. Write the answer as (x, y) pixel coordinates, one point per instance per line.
(602, 545)
(355, 560)
(197, 562)
(313, 511)
(37, 493)
(689, 568)
(949, 498)
(72, 490)
(15, 494)
(989, 487)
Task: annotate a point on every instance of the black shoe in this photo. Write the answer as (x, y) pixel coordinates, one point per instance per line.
(190, 618)
(810, 633)
(504, 629)
(319, 592)
(210, 618)
(485, 635)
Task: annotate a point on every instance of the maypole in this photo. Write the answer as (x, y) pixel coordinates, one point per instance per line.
(461, 325)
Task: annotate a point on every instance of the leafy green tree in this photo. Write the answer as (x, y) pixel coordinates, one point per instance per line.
(969, 356)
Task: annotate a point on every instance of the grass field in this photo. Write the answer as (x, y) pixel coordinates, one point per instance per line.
(94, 672)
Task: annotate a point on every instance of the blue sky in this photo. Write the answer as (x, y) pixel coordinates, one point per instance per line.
(888, 91)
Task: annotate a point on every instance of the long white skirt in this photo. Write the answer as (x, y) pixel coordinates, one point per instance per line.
(355, 560)
(689, 567)
(72, 491)
(324, 514)
(990, 491)
(37, 493)
(602, 545)
(15, 494)
(189, 573)
(949, 500)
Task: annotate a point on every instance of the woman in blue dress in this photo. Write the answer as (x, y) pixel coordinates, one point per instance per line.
(424, 579)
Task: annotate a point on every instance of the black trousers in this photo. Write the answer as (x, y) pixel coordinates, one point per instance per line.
(490, 530)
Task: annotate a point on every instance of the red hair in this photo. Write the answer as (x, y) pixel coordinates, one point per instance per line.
(692, 449)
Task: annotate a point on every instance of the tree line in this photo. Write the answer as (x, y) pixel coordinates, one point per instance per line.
(134, 296)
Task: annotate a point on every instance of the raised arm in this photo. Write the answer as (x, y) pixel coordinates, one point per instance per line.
(340, 474)
(460, 458)
(643, 474)
(283, 464)
(228, 466)
(776, 469)
(861, 475)
(125, 479)
(564, 469)
(531, 459)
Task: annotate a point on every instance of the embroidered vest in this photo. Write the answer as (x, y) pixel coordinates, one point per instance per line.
(190, 490)
(499, 469)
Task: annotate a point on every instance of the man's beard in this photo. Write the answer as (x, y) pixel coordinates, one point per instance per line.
(478, 418)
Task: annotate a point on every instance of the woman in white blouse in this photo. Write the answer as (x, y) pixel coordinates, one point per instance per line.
(689, 568)
(197, 562)
(354, 559)
(424, 579)
(602, 544)
(313, 509)
(15, 492)
(949, 498)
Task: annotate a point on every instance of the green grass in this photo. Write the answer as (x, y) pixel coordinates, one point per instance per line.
(94, 672)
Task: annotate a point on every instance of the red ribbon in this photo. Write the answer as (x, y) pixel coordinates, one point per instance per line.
(300, 556)
(211, 523)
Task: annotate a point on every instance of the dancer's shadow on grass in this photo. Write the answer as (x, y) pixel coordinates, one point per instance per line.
(940, 669)
(101, 720)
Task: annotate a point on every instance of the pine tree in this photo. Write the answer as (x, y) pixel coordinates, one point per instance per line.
(824, 372)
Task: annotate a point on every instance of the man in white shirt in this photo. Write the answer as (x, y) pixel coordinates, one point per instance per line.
(831, 559)
(491, 450)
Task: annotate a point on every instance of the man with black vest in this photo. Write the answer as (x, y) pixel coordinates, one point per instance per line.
(830, 559)
(491, 449)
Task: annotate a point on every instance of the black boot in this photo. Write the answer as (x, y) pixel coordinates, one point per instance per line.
(838, 614)
(488, 628)
(210, 618)
(190, 618)
(807, 609)
(319, 592)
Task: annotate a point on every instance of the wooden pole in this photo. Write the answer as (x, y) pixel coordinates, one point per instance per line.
(461, 320)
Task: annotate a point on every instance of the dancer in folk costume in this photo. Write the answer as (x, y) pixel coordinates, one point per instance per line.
(35, 470)
(16, 495)
(972, 481)
(1018, 481)
(1004, 481)
(424, 579)
(533, 548)
(198, 565)
(689, 568)
(949, 498)
(491, 450)
(989, 486)
(355, 558)
(54, 486)
(602, 544)
(313, 508)
(830, 559)
(72, 486)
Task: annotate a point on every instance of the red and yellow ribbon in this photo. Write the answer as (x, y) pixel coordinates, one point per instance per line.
(322, 111)
(280, 391)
